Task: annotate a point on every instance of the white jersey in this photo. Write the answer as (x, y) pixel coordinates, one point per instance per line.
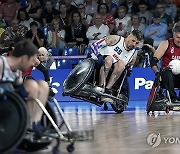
(7, 73)
(118, 51)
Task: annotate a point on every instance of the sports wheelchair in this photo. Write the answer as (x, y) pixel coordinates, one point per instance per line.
(82, 83)
(159, 98)
(14, 134)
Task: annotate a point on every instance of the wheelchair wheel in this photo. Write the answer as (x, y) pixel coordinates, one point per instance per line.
(34, 145)
(13, 121)
(78, 76)
(118, 106)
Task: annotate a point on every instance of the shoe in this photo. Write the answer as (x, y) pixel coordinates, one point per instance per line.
(107, 99)
(176, 100)
(37, 127)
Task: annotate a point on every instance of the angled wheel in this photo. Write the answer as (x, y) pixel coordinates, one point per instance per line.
(78, 76)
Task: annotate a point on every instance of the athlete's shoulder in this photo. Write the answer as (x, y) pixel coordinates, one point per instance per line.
(112, 39)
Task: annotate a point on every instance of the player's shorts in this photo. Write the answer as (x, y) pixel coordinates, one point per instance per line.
(20, 90)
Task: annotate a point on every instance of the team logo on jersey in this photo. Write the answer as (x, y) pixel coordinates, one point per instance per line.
(172, 50)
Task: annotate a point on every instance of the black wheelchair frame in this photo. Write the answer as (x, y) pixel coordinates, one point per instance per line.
(159, 99)
(13, 114)
(82, 83)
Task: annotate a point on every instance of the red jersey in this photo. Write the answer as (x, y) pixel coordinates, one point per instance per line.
(172, 52)
(28, 72)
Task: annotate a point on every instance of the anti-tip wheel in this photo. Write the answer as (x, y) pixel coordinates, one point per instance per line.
(70, 147)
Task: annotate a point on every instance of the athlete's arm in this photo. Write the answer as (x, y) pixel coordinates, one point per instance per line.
(19, 80)
(44, 70)
(37, 62)
(112, 39)
(107, 41)
(159, 54)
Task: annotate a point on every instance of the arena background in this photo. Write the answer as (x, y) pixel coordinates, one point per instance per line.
(140, 83)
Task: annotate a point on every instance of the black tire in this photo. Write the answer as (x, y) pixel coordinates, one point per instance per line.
(35, 145)
(70, 147)
(119, 107)
(13, 121)
(75, 82)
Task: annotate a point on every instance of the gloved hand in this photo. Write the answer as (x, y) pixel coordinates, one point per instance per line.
(158, 75)
(51, 93)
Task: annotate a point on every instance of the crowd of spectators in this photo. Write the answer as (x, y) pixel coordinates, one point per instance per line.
(59, 24)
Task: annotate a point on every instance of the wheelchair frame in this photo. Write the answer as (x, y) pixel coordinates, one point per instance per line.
(87, 90)
(59, 136)
(159, 99)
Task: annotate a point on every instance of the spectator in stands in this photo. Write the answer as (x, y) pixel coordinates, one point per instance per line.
(45, 57)
(112, 7)
(24, 18)
(35, 34)
(77, 2)
(69, 7)
(145, 15)
(157, 30)
(107, 17)
(63, 16)
(131, 7)
(98, 30)
(3, 23)
(48, 13)
(170, 8)
(145, 53)
(2, 1)
(135, 24)
(177, 18)
(8, 10)
(76, 31)
(152, 4)
(165, 18)
(86, 18)
(56, 36)
(122, 21)
(34, 10)
(91, 7)
(2, 31)
(13, 31)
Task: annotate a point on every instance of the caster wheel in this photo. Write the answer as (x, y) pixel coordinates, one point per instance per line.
(105, 107)
(70, 147)
(55, 150)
